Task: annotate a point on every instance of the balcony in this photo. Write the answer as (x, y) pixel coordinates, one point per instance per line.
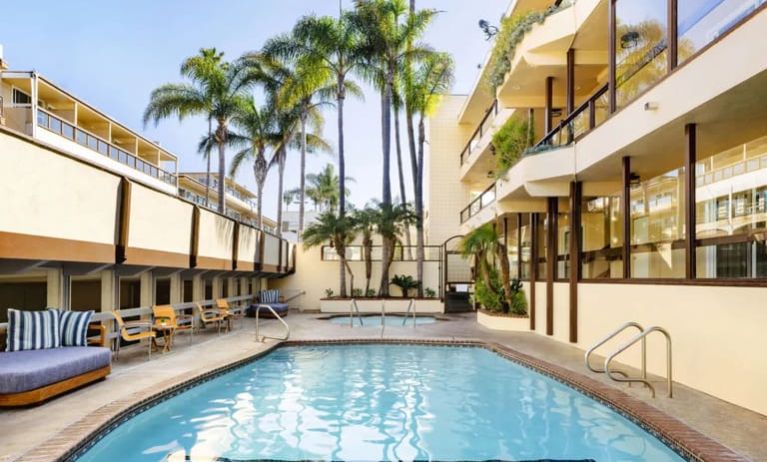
(478, 204)
(473, 146)
(96, 144)
(586, 117)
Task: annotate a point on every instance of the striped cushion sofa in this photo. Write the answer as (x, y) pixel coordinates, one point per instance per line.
(269, 297)
(48, 353)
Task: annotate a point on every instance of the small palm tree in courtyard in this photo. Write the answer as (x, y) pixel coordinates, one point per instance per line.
(339, 231)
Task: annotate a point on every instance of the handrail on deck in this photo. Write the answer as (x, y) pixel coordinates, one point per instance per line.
(352, 309)
(612, 335)
(642, 336)
(410, 306)
(589, 104)
(479, 131)
(261, 338)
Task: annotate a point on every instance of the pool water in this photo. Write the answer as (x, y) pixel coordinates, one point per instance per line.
(379, 402)
(375, 321)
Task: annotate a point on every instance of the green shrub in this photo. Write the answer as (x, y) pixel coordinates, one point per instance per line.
(357, 293)
(510, 143)
(519, 303)
(370, 293)
(429, 293)
(406, 283)
(329, 293)
(491, 298)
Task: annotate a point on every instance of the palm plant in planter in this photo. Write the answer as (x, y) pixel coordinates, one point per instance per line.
(493, 290)
(406, 283)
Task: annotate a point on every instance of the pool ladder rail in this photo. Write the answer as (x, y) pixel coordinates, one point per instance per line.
(641, 336)
(354, 308)
(262, 338)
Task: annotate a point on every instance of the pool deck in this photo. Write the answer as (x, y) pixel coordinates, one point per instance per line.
(44, 432)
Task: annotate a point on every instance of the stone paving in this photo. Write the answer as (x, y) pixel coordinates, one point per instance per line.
(44, 432)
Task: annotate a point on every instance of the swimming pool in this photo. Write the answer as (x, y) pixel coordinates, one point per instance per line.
(379, 402)
(391, 320)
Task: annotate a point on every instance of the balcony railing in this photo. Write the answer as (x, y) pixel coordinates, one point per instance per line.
(478, 204)
(65, 129)
(471, 146)
(590, 114)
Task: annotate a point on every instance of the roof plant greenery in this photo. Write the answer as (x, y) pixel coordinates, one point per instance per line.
(513, 29)
(510, 143)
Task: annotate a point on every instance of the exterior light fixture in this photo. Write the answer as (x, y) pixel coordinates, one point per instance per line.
(489, 30)
(630, 40)
(651, 106)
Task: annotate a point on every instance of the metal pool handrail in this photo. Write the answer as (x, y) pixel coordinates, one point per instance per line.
(261, 338)
(383, 317)
(410, 306)
(352, 308)
(610, 337)
(641, 336)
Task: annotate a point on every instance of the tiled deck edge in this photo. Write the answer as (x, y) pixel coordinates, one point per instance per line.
(88, 430)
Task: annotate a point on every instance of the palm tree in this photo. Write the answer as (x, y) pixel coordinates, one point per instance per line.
(339, 231)
(219, 92)
(197, 68)
(301, 91)
(390, 31)
(391, 222)
(323, 188)
(432, 78)
(257, 132)
(365, 221)
(485, 242)
(333, 48)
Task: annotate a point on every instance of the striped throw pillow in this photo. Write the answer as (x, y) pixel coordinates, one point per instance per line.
(270, 296)
(32, 330)
(73, 327)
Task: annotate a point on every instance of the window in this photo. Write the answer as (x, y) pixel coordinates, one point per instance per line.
(657, 227)
(731, 225)
(526, 246)
(699, 22)
(20, 98)
(602, 239)
(640, 48)
(542, 244)
(512, 248)
(563, 246)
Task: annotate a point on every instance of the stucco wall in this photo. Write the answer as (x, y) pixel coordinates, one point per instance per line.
(247, 245)
(314, 276)
(47, 194)
(216, 236)
(159, 222)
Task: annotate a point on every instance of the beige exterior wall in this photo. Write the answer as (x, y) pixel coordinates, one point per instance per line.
(271, 250)
(444, 194)
(248, 244)
(315, 276)
(159, 222)
(216, 236)
(47, 194)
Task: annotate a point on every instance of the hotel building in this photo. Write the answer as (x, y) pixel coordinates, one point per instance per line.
(95, 216)
(644, 194)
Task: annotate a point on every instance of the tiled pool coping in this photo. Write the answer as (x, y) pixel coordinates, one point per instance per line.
(689, 443)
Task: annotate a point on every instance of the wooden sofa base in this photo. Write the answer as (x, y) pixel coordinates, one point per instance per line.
(41, 394)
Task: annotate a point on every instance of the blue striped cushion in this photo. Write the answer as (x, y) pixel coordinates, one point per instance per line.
(270, 296)
(73, 327)
(32, 330)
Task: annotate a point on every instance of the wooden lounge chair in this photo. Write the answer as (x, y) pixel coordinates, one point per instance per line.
(128, 336)
(210, 316)
(232, 313)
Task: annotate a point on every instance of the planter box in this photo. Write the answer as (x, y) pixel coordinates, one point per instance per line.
(506, 323)
(373, 305)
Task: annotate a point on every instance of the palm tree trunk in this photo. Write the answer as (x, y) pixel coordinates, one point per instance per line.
(302, 188)
(222, 167)
(207, 174)
(368, 249)
(403, 196)
(280, 187)
(341, 177)
(386, 199)
(419, 204)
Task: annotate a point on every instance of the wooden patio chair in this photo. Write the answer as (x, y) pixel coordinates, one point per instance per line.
(128, 336)
(235, 313)
(167, 321)
(210, 316)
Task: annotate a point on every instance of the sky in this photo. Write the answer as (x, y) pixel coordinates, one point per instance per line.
(112, 53)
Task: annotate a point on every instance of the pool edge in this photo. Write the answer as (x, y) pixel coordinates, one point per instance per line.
(73, 440)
